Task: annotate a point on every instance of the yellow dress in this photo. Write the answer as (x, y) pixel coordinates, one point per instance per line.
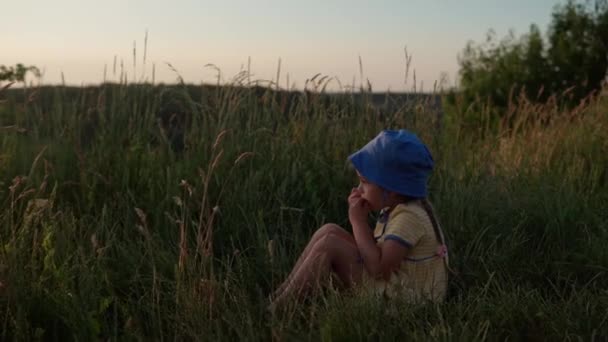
(423, 273)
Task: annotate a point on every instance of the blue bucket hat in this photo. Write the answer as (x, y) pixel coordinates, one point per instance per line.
(397, 161)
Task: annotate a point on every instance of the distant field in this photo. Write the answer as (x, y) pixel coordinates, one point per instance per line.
(149, 212)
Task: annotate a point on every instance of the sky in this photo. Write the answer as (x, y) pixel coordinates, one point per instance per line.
(79, 39)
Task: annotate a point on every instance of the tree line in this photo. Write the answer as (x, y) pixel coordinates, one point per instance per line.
(569, 64)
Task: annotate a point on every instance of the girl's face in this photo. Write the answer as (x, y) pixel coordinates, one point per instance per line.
(372, 193)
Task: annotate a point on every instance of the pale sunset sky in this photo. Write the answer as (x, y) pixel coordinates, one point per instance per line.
(80, 38)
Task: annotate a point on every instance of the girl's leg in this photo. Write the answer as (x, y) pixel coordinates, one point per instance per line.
(331, 253)
(322, 232)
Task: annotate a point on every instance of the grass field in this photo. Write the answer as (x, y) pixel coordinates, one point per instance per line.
(135, 212)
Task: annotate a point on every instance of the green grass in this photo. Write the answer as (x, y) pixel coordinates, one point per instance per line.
(108, 230)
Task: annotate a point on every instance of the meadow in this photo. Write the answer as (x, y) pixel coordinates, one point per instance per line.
(145, 212)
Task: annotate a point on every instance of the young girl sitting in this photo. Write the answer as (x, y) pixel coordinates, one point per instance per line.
(405, 255)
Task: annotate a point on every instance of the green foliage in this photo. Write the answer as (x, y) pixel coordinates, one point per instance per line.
(17, 73)
(579, 48)
(571, 64)
(109, 230)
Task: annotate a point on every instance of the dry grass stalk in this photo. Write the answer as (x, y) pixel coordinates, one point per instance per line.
(183, 246)
(143, 227)
(242, 157)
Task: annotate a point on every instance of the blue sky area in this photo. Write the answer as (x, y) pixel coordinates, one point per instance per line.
(81, 38)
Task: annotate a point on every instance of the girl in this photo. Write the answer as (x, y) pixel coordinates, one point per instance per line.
(405, 255)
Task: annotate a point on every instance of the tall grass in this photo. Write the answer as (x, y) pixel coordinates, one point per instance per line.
(121, 222)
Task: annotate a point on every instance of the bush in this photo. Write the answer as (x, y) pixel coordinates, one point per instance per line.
(570, 64)
(17, 73)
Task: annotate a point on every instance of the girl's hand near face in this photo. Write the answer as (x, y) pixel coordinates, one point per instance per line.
(358, 208)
